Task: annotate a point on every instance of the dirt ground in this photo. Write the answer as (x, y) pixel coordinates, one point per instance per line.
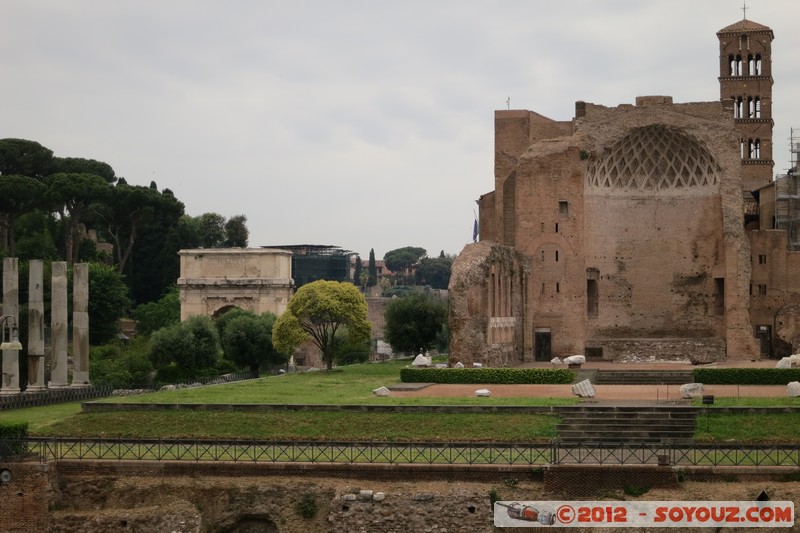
(645, 393)
(614, 393)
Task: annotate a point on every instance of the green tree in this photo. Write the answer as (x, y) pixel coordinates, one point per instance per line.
(358, 268)
(72, 194)
(191, 346)
(120, 367)
(434, 272)
(154, 264)
(212, 230)
(127, 209)
(108, 302)
(316, 312)
(372, 268)
(152, 316)
(188, 232)
(347, 352)
(79, 165)
(414, 322)
(236, 232)
(18, 195)
(26, 158)
(247, 341)
(401, 260)
(35, 230)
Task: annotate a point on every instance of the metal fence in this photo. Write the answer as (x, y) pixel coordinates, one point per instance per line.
(53, 396)
(70, 394)
(447, 453)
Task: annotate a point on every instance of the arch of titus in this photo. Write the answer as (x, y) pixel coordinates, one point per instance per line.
(216, 279)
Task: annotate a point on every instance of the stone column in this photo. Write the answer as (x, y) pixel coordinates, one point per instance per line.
(58, 328)
(10, 382)
(80, 325)
(36, 326)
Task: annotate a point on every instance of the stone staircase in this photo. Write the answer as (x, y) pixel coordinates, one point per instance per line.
(643, 377)
(626, 424)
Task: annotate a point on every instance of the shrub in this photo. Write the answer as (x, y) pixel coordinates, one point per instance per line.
(746, 376)
(503, 376)
(192, 346)
(118, 367)
(307, 506)
(635, 490)
(12, 438)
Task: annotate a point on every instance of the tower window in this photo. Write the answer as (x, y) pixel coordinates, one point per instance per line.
(753, 107)
(754, 64)
(754, 148)
(762, 289)
(762, 259)
(563, 209)
(735, 63)
(738, 107)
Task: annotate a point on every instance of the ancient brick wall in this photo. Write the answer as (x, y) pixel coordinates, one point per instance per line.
(25, 499)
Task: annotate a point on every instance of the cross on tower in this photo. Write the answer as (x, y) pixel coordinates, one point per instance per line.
(744, 10)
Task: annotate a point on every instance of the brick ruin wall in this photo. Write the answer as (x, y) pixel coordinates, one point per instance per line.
(99, 496)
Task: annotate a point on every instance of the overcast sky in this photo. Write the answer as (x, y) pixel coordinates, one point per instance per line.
(362, 124)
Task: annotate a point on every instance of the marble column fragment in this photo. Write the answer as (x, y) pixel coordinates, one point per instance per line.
(58, 327)
(10, 382)
(36, 326)
(80, 325)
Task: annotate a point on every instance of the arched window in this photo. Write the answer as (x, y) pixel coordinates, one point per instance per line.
(738, 66)
(757, 107)
(742, 151)
(754, 148)
(751, 107)
(738, 104)
(735, 65)
(757, 71)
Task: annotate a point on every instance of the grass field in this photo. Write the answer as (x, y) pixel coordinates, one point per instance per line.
(354, 385)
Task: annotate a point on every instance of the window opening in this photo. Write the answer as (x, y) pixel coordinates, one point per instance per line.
(563, 209)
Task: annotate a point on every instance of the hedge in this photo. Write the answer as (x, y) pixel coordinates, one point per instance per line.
(746, 376)
(12, 438)
(503, 376)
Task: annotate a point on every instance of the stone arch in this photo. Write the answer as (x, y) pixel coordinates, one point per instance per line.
(215, 280)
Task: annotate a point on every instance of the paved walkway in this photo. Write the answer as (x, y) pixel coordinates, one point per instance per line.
(631, 393)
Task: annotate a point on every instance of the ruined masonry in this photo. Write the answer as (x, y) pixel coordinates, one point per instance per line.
(35, 344)
(653, 229)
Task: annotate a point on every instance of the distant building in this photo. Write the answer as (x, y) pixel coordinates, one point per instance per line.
(312, 262)
(650, 229)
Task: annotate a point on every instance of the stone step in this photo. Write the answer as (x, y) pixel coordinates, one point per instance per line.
(596, 410)
(630, 416)
(629, 424)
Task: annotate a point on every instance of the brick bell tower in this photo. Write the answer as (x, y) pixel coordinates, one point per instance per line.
(745, 78)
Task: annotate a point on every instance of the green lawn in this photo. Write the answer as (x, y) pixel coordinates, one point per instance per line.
(349, 385)
(354, 385)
